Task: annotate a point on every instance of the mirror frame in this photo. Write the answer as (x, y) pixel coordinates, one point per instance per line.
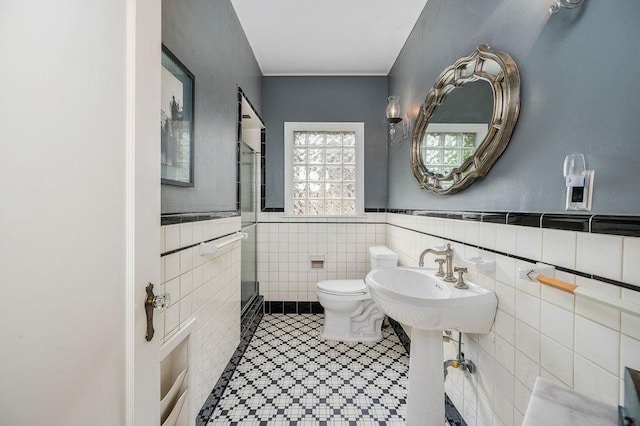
(506, 108)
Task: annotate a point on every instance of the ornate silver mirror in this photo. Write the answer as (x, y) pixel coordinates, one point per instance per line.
(466, 121)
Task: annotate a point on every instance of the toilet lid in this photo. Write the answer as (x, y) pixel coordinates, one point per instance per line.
(343, 287)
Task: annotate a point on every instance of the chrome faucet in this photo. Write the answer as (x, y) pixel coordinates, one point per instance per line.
(448, 253)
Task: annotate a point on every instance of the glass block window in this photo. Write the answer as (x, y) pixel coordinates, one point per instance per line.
(323, 170)
(447, 146)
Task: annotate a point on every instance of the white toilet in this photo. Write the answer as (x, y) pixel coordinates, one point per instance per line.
(350, 314)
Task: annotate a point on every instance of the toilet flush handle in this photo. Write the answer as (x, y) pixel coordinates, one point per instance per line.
(151, 303)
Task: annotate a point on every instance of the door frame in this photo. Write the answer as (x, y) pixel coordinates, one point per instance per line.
(142, 253)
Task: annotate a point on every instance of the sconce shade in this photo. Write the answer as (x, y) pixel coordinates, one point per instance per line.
(394, 118)
(393, 109)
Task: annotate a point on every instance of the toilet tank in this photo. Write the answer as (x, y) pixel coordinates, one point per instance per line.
(382, 257)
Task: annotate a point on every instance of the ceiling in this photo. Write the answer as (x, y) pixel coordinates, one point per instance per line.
(327, 37)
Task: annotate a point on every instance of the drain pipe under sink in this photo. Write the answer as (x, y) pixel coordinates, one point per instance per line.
(460, 361)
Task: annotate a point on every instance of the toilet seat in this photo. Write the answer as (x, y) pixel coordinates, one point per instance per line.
(343, 287)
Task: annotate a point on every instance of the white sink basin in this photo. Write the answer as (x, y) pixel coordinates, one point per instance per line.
(418, 298)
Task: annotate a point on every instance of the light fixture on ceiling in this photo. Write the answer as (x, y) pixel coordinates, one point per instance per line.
(398, 127)
(564, 4)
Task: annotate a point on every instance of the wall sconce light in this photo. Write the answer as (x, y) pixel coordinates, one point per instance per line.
(398, 127)
(579, 183)
(564, 4)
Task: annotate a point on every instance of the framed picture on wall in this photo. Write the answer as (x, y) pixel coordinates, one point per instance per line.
(176, 121)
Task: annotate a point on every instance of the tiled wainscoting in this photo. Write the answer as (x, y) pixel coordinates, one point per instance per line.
(287, 245)
(206, 288)
(538, 330)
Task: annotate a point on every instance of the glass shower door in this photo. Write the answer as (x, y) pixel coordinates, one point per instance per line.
(248, 273)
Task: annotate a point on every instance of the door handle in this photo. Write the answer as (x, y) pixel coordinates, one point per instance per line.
(151, 303)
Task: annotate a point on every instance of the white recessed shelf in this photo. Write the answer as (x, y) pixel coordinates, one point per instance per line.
(176, 378)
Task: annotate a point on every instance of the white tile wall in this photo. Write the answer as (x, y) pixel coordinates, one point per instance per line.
(598, 343)
(506, 270)
(505, 326)
(529, 242)
(206, 288)
(599, 255)
(594, 381)
(630, 325)
(557, 323)
(559, 247)
(506, 238)
(556, 359)
(286, 245)
(526, 369)
(630, 264)
(528, 340)
(538, 330)
(488, 234)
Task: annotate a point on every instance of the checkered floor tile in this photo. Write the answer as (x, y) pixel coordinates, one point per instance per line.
(289, 376)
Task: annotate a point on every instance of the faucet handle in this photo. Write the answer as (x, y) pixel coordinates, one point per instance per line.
(440, 272)
(460, 284)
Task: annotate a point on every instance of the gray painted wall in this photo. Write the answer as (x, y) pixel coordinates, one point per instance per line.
(327, 99)
(207, 37)
(580, 93)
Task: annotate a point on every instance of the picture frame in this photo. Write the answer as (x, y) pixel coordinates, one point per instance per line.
(176, 121)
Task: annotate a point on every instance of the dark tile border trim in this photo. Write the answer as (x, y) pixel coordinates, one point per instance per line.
(281, 210)
(176, 218)
(281, 307)
(451, 412)
(628, 226)
(167, 253)
(248, 316)
(616, 225)
(567, 222)
(533, 220)
(341, 222)
(598, 224)
(249, 324)
(404, 338)
(499, 218)
(473, 217)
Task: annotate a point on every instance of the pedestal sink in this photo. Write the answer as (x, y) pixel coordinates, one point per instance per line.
(418, 298)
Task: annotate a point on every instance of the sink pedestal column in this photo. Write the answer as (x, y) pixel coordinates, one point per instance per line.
(425, 401)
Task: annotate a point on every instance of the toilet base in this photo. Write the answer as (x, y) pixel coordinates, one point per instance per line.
(360, 339)
(355, 321)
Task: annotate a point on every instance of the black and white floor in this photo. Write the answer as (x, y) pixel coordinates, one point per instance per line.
(289, 376)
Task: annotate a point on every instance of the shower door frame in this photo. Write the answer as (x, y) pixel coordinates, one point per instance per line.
(246, 110)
